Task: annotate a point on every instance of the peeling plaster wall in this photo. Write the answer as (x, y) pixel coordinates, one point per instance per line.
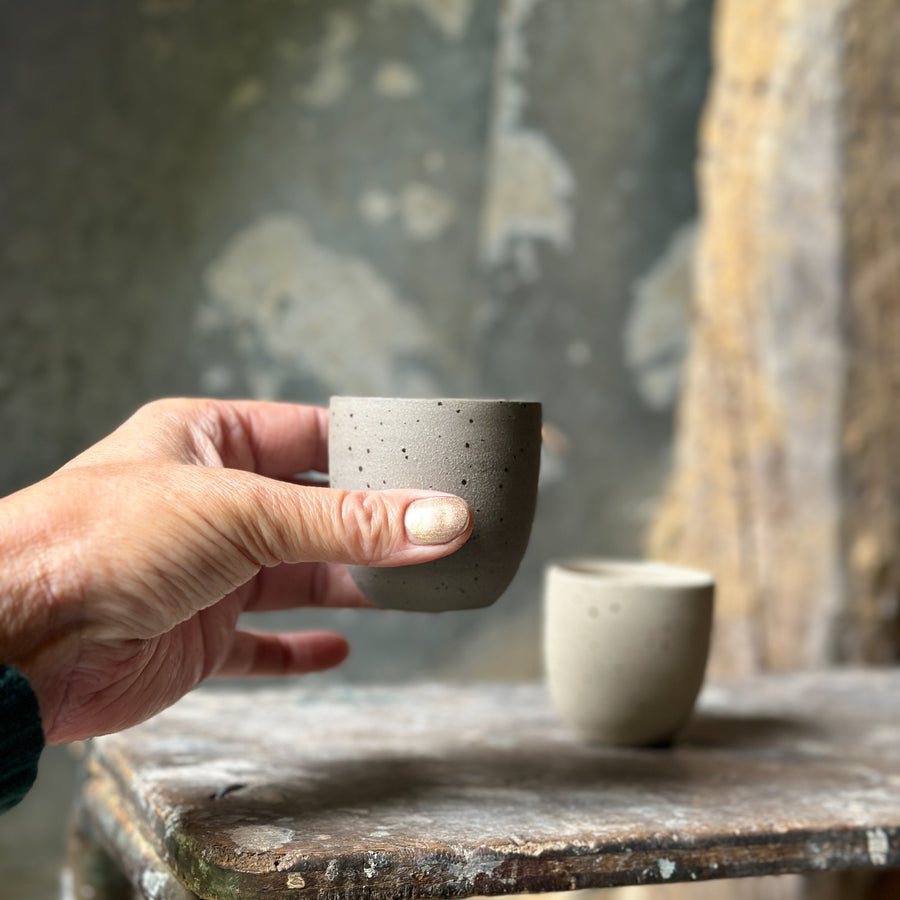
(296, 198)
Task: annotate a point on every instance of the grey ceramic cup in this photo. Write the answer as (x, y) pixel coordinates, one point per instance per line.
(625, 647)
(485, 451)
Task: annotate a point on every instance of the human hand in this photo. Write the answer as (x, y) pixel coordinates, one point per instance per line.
(122, 575)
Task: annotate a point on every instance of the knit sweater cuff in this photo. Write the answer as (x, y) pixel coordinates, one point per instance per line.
(21, 737)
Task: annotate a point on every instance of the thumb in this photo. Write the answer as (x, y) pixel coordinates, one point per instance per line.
(280, 522)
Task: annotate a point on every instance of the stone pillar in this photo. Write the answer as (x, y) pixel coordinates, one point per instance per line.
(786, 481)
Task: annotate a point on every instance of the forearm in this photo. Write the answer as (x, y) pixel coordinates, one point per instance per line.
(21, 611)
(39, 608)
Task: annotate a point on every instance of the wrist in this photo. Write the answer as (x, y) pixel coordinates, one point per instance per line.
(30, 563)
(37, 614)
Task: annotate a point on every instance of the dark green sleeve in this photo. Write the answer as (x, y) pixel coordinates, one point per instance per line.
(21, 737)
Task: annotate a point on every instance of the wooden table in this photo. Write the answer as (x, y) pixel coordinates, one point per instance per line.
(449, 791)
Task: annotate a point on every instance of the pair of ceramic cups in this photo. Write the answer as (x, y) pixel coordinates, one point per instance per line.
(625, 643)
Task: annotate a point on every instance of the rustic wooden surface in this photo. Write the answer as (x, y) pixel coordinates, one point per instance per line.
(450, 791)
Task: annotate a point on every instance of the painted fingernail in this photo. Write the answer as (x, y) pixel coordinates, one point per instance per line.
(436, 520)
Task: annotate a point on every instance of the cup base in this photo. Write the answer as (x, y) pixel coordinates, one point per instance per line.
(445, 585)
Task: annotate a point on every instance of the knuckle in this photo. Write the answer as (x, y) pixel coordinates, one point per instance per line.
(249, 518)
(165, 407)
(267, 528)
(180, 409)
(169, 416)
(369, 526)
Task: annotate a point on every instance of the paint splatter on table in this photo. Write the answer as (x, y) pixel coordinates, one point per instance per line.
(372, 793)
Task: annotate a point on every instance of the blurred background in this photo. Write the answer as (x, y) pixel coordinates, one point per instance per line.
(288, 199)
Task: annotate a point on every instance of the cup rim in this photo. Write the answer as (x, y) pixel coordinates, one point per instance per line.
(632, 572)
(493, 401)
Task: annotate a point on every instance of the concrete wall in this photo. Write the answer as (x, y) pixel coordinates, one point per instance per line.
(289, 199)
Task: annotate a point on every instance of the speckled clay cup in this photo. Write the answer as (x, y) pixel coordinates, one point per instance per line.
(485, 451)
(625, 647)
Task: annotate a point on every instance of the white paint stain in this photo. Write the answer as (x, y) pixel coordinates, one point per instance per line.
(878, 846)
(530, 186)
(527, 202)
(377, 206)
(259, 838)
(295, 880)
(450, 17)
(155, 884)
(217, 380)
(666, 868)
(67, 885)
(469, 865)
(424, 212)
(333, 77)
(331, 870)
(297, 307)
(396, 81)
(657, 328)
(817, 859)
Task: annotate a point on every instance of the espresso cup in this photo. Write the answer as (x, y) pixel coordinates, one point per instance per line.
(485, 451)
(625, 647)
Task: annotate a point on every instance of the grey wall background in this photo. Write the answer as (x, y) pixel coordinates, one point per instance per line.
(287, 199)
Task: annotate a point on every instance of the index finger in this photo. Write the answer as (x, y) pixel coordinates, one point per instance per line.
(277, 440)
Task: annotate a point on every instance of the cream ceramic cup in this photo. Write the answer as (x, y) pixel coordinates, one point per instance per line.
(625, 647)
(486, 451)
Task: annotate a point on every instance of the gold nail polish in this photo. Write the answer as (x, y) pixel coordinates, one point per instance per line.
(436, 520)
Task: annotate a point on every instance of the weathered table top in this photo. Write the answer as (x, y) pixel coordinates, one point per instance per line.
(449, 791)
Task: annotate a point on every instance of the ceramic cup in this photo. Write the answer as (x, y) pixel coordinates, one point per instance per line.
(625, 647)
(485, 451)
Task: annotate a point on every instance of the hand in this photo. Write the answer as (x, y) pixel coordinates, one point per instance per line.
(122, 575)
